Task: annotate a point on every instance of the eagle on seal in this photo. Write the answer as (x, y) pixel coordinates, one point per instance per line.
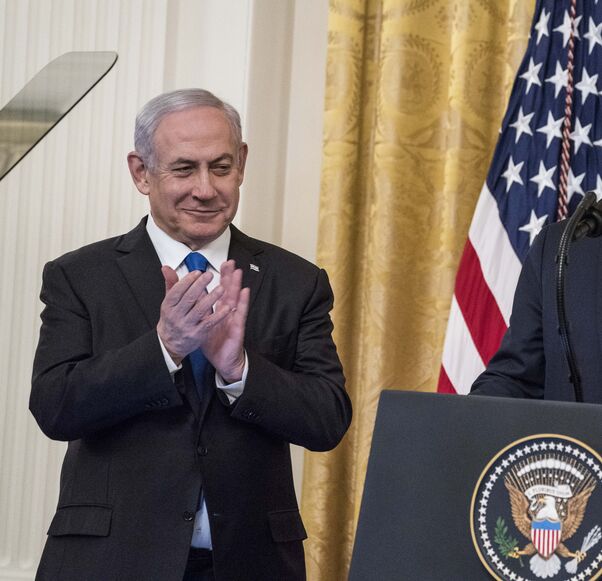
(547, 521)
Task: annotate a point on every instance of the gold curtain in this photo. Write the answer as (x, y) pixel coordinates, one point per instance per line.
(415, 94)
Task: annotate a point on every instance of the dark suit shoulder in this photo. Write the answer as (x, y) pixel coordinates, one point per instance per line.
(102, 250)
(284, 258)
(95, 250)
(545, 246)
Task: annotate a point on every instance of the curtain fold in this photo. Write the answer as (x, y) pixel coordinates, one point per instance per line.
(415, 94)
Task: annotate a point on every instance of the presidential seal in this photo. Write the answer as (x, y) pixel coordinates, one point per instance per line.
(536, 511)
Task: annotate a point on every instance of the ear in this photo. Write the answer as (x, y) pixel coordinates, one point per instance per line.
(139, 172)
(242, 160)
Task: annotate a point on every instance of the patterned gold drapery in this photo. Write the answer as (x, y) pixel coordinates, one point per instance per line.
(415, 94)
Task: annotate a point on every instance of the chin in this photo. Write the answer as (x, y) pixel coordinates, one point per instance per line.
(201, 236)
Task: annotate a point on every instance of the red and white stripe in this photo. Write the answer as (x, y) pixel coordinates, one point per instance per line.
(482, 301)
(545, 541)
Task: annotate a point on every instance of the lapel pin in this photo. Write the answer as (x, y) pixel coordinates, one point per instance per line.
(254, 267)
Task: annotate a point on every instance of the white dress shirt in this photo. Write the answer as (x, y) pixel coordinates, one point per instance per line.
(172, 253)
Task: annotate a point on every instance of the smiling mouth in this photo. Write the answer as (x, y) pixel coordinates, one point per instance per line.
(202, 211)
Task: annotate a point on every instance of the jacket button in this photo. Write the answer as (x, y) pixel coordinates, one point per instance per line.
(202, 450)
(187, 515)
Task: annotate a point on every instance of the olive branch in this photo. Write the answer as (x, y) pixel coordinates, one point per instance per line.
(506, 544)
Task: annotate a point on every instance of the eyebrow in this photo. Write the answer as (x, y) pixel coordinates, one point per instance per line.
(222, 157)
(186, 161)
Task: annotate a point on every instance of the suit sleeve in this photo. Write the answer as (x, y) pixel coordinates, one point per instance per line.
(77, 392)
(518, 367)
(306, 405)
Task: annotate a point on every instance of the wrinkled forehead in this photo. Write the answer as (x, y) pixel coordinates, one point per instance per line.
(194, 124)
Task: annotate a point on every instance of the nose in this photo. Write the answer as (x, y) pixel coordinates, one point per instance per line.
(203, 188)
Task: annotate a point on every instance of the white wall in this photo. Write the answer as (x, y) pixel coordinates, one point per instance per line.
(266, 57)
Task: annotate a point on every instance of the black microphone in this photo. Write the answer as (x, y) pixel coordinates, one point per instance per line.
(590, 223)
(586, 220)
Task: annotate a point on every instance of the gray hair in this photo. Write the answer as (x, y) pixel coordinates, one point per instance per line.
(152, 113)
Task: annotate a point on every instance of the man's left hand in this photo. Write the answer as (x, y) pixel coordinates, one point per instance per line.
(223, 343)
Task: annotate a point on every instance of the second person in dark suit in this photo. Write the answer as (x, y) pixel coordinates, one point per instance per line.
(530, 362)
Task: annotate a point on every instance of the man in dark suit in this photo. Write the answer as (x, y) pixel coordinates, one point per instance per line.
(179, 361)
(531, 362)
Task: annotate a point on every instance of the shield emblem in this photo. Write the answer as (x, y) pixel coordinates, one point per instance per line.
(545, 535)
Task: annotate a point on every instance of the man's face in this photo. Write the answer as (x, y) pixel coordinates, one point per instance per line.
(193, 188)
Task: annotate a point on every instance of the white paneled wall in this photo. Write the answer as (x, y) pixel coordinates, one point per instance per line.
(74, 187)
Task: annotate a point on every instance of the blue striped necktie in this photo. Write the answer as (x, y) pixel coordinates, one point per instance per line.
(198, 361)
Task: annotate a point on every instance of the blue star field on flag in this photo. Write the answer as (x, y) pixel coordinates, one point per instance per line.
(525, 170)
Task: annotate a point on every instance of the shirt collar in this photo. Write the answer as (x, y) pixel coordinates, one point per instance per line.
(172, 253)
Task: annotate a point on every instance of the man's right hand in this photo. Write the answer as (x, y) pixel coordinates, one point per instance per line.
(187, 312)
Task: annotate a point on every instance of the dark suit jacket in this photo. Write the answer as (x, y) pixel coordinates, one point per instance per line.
(140, 446)
(530, 362)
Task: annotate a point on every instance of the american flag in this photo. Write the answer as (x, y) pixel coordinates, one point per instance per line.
(520, 194)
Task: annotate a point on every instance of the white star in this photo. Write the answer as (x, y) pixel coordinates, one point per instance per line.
(532, 75)
(574, 185)
(534, 226)
(587, 85)
(565, 27)
(581, 135)
(512, 175)
(522, 124)
(552, 128)
(559, 79)
(542, 25)
(544, 178)
(594, 34)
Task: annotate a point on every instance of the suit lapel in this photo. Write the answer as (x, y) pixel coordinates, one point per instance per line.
(141, 268)
(248, 257)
